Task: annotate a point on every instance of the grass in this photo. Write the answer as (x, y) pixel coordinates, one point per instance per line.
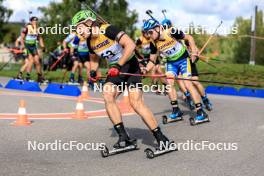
(235, 73)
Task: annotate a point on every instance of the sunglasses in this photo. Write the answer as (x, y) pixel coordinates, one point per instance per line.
(150, 32)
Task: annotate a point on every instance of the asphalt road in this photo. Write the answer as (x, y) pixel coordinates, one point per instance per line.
(237, 120)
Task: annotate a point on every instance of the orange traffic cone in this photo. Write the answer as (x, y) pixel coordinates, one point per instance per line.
(85, 93)
(22, 119)
(79, 112)
(125, 103)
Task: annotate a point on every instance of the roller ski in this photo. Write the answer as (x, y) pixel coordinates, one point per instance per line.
(19, 77)
(175, 116)
(124, 143)
(164, 145)
(120, 147)
(157, 152)
(73, 82)
(207, 104)
(28, 79)
(42, 81)
(201, 117)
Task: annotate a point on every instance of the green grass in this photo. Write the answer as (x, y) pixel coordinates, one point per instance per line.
(235, 73)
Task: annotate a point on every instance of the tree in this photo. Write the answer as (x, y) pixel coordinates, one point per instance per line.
(114, 11)
(242, 46)
(4, 16)
(117, 13)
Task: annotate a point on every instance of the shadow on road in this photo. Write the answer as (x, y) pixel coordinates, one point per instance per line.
(143, 135)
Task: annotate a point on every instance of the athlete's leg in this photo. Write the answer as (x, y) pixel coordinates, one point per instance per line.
(29, 66)
(24, 66)
(153, 72)
(176, 112)
(136, 101)
(74, 67)
(160, 72)
(202, 93)
(198, 85)
(37, 64)
(109, 94)
(185, 69)
(80, 78)
(172, 90)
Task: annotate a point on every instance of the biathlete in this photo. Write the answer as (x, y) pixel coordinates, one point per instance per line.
(167, 43)
(72, 53)
(197, 84)
(167, 25)
(24, 58)
(108, 42)
(29, 39)
(143, 53)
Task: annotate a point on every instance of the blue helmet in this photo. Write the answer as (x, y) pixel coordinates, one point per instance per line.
(166, 23)
(150, 24)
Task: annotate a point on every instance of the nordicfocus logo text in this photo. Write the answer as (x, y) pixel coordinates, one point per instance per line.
(58, 145)
(190, 145)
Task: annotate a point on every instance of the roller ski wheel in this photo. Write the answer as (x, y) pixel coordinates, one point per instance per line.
(150, 154)
(106, 152)
(166, 120)
(194, 121)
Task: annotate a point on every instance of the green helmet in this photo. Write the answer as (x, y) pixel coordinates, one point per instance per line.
(82, 16)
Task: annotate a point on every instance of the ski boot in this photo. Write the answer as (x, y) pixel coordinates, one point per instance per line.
(164, 145)
(72, 81)
(124, 143)
(80, 80)
(91, 84)
(42, 80)
(175, 116)
(28, 78)
(19, 76)
(201, 117)
(208, 105)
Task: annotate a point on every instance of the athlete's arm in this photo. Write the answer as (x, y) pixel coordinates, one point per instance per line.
(153, 57)
(94, 59)
(94, 62)
(137, 50)
(192, 44)
(179, 35)
(41, 42)
(124, 40)
(129, 48)
(23, 35)
(67, 40)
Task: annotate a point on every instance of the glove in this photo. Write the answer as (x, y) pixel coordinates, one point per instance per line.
(143, 70)
(93, 75)
(114, 70)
